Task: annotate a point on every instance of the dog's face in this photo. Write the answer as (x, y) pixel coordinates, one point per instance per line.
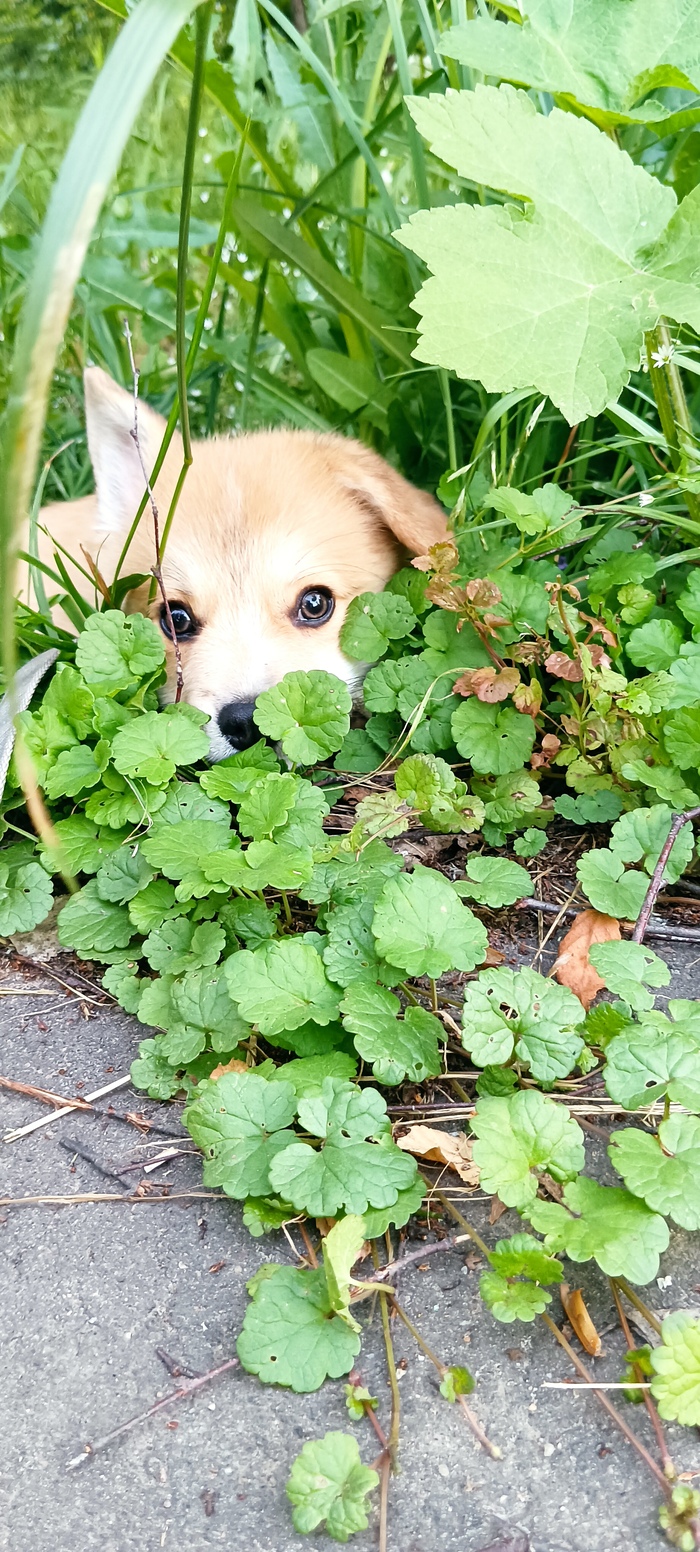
(274, 534)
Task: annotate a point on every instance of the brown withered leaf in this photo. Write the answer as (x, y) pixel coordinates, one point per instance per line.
(441, 558)
(573, 967)
(426, 1142)
(223, 1067)
(550, 746)
(482, 593)
(528, 698)
(527, 651)
(487, 684)
(578, 1317)
(599, 629)
(564, 667)
(445, 595)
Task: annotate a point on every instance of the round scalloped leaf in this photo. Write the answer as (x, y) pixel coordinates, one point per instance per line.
(422, 927)
(496, 739)
(504, 1007)
(494, 881)
(328, 1482)
(646, 1063)
(397, 1049)
(291, 1336)
(26, 892)
(153, 745)
(282, 985)
(92, 926)
(609, 888)
(240, 1121)
(606, 1224)
(350, 953)
(348, 1171)
(524, 1256)
(308, 712)
(676, 1364)
(665, 1170)
(627, 969)
(640, 835)
(512, 1300)
(520, 1136)
(378, 1219)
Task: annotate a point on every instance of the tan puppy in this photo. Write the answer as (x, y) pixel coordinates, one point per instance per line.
(274, 534)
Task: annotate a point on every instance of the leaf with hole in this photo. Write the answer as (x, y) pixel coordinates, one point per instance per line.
(346, 1171)
(627, 969)
(240, 1121)
(290, 1334)
(373, 620)
(506, 1010)
(397, 1048)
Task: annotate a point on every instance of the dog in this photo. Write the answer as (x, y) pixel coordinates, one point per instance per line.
(274, 534)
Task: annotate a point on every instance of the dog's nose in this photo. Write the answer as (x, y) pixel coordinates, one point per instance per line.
(237, 725)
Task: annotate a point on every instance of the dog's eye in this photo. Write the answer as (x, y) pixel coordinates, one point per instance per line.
(184, 623)
(314, 606)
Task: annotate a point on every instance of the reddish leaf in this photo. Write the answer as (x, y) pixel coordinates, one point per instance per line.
(573, 967)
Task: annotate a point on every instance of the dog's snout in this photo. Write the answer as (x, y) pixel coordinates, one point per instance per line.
(237, 725)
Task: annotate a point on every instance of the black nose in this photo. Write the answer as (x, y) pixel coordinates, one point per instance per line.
(237, 725)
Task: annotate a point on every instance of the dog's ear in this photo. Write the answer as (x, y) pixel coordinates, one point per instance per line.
(411, 515)
(119, 478)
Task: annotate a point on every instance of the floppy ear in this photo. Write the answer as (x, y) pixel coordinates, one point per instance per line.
(119, 478)
(412, 516)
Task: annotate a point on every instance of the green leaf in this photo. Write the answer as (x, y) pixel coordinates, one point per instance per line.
(182, 945)
(114, 653)
(512, 1300)
(200, 1013)
(240, 1121)
(234, 776)
(646, 1063)
(640, 835)
(358, 754)
(186, 800)
(266, 805)
(308, 712)
(533, 512)
(153, 905)
(663, 1170)
(122, 875)
(609, 888)
(421, 926)
(372, 621)
(290, 1334)
(308, 1074)
(282, 985)
(654, 646)
(152, 746)
(350, 953)
(590, 278)
(92, 926)
(598, 808)
(328, 1482)
(605, 1224)
(175, 850)
(355, 1396)
(350, 383)
(676, 1365)
(250, 920)
(26, 892)
(347, 1171)
(530, 843)
(602, 57)
(523, 1256)
(506, 1010)
(265, 1214)
(153, 1072)
(76, 770)
(682, 739)
(341, 1248)
(263, 864)
(397, 685)
(494, 881)
(626, 967)
(124, 984)
(409, 1048)
(495, 739)
(82, 849)
(456, 1381)
(602, 1023)
(519, 1136)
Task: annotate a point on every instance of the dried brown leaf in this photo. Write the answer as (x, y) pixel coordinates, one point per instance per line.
(573, 967)
(527, 698)
(487, 684)
(580, 1320)
(564, 667)
(233, 1066)
(426, 1142)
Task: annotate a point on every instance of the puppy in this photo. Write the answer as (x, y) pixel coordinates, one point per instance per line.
(274, 534)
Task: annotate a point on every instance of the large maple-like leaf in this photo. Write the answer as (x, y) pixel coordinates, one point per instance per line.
(554, 293)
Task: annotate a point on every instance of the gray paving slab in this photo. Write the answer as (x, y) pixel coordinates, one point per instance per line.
(88, 1293)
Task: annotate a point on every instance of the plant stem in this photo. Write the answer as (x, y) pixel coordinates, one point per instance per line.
(609, 1408)
(639, 1304)
(459, 1218)
(433, 996)
(201, 36)
(669, 1468)
(657, 877)
(671, 402)
(442, 1369)
(287, 909)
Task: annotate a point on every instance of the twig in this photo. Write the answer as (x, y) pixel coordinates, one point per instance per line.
(105, 1196)
(45, 1095)
(639, 1304)
(186, 1389)
(653, 929)
(595, 1384)
(669, 1468)
(387, 1273)
(469, 1231)
(157, 569)
(610, 1409)
(442, 1369)
(657, 877)
(311, 1253)
(175, 1369)
(109, 1088)
(73, 1146)
(562, 912)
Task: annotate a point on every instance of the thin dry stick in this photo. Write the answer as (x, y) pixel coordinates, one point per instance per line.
(551, 930)
(442, 1369)
(46, 1097)
(639, 1304)
(311, 1253)
(109, 1088)
(654, 929)
(105, 1196)
(186, 1389)
(669, 1468)
(156, 569)
(387, 1273)
(602, 1398)
(657, 877)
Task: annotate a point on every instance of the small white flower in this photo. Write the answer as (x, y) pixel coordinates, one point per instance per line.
(662, 356)
(645, 498)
